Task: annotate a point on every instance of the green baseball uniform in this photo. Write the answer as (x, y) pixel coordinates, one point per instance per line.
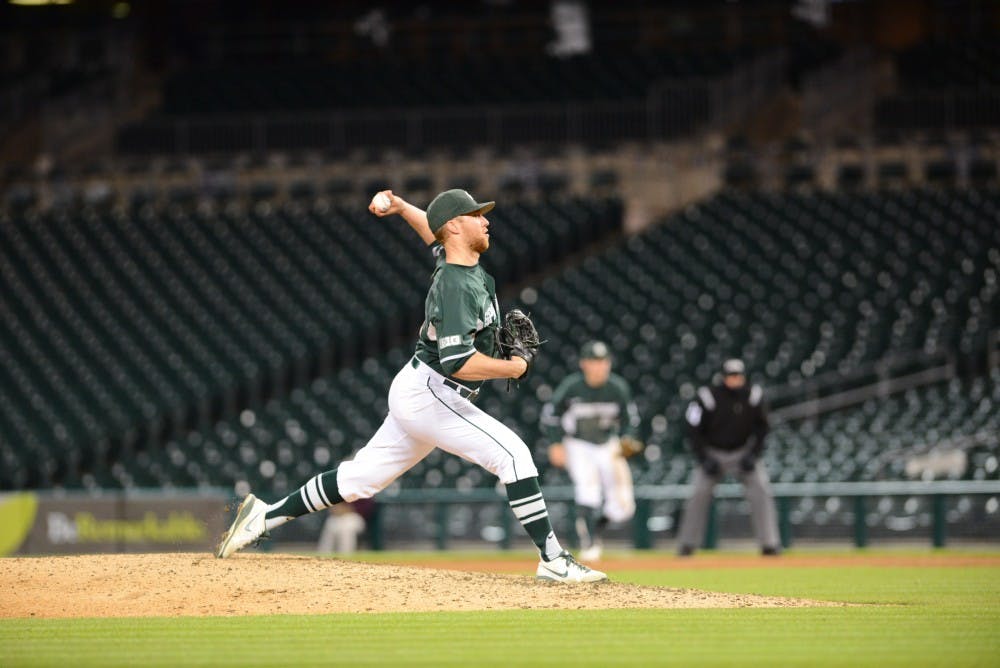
(588, 421)
(460, 318)
(591, 414)
(429, 407)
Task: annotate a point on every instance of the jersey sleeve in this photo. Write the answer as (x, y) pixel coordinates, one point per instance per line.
(695, 416)
(552, 412)
(628, 411)
(456, 325)
(630, 414)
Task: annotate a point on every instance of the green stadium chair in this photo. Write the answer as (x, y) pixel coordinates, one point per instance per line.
(184, 320)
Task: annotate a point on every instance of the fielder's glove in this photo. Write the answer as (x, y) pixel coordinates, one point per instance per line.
(518, 336)
(629, 447)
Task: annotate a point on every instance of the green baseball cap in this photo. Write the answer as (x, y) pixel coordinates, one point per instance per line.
(451, 204)
(595, 350)
(733, 367)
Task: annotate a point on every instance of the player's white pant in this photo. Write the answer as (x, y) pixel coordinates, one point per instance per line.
(424, 413)
(340, 533)
(601, 477)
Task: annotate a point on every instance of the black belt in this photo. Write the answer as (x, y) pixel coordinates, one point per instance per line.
(462, 390)
(465, 392)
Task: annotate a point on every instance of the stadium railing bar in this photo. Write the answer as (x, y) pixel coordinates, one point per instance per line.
(439, 504)
(859, 492)
(884, 386)
(880, 371)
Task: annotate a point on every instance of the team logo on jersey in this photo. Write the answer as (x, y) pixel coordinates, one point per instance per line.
(449, 341)
(489, 315)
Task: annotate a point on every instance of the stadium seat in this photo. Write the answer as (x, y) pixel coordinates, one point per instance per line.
(123, 331)
(809, 226)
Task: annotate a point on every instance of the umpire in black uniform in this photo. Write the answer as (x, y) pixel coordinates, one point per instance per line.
(727, 424)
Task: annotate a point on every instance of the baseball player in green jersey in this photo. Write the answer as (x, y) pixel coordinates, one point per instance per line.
(587, 421)
(431, 398)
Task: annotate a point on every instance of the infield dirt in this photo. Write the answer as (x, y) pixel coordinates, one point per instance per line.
(180, 584)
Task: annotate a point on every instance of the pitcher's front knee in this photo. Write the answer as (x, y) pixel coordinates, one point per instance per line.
(512, 462)
(355, 481)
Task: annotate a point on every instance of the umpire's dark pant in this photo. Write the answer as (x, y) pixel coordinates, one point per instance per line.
(757, 488)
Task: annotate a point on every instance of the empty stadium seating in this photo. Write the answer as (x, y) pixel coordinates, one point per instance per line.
(296, 86)
(874, 441)
(618, 94)
(828, 304)
(796, 284)
(124, 329)
(944, 84)
(950, 64)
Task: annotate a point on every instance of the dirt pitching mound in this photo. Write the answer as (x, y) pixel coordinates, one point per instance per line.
(173, 585)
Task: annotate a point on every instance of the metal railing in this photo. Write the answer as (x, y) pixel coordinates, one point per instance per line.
(889, 385)
(204, 505)
(836, 389)
(889, 375)
(646, 495)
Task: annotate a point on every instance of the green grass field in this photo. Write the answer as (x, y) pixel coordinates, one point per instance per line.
(946, 616)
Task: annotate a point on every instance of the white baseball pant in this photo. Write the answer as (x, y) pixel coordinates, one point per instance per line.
(601, 477)
(426, 411)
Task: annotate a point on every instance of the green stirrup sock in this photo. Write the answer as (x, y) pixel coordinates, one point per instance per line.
(318, 493)
(526, 501)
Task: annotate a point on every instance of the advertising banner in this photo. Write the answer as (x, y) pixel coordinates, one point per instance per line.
(40, 524)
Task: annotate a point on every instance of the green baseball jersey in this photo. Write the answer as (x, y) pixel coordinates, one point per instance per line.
(460, 317)
(592, 414)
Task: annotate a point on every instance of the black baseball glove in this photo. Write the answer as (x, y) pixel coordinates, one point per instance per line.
(518, 336)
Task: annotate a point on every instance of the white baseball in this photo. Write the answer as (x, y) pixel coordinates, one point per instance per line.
(381, 202)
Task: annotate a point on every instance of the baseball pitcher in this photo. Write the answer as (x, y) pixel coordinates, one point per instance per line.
(591, 424)
(461, 344)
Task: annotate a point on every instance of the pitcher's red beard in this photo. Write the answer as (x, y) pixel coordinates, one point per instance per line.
(481, 245)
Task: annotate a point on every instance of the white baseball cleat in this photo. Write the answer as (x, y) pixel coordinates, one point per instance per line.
(248, 527)
(565, 568)
(592, 553)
